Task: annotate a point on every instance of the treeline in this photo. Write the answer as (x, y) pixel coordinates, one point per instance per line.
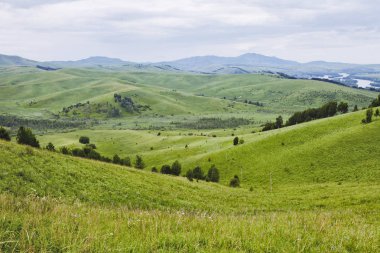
(213, 123)
(327, 110)
(42, 124)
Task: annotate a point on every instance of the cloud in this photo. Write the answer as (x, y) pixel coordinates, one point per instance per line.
(164, 29)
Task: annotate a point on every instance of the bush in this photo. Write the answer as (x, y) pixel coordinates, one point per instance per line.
(50, 147)
(139, 164)
(369, 114)
(154, 170)
(126, 161)
(165, 169)
(213, 174)
(377, 113)
(343, 107)
(236, 141)
(4, 134)
(78, 152)
(26, 137)
(198, 173)
(190, 175)
(116, 159)
(241, 141)
(84, 140)
(176, 168)
(235, 182)
(355, 108)
(65, 151)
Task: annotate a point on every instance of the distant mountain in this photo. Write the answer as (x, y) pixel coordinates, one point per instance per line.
(8, 60)
(90, 62)
(243, 63)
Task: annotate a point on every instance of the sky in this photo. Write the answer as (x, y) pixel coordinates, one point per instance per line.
(161, 30)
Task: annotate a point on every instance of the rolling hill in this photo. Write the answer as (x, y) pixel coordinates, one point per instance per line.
(311, 187)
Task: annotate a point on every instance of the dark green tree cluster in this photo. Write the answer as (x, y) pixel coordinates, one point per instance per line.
(342, 107)
(376, 102)
(198, 174)
(25, 136)
(327, 110)
(274, 125)
(4, 134)
(175, 169)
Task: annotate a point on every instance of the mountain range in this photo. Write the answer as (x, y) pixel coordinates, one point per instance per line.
(243, 64)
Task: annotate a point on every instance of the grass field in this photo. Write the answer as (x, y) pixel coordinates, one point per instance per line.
(312, 187)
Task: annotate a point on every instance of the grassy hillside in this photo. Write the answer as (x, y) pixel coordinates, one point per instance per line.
(52, 202)
(172, 97)
(328, 150)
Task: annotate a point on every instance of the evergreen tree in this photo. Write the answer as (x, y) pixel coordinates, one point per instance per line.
(279, 122)
(176, 168)
(236, 141)
(116, 159)
(356, 108)
(50, 147)
(190, 175)
(198, 173)
(369, 114)
(139, 163)
(213, 174)
(343, 107)
(126, 161)
(377, 113)
(165, 169)
(235, 182)
(26, 137)
(4, 134)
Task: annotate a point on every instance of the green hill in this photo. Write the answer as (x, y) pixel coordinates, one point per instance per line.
(315, 188)
(30, 92)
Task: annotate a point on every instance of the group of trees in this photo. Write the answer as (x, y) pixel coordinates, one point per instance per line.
(368, 115)
(327, 110)
(4, 134)
(198, 174)
(174, 170)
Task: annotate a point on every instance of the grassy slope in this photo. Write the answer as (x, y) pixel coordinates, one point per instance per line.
(135, 210)
(329, 150)
(169, 94)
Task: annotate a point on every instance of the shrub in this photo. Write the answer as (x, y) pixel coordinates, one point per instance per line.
(279, 122)
(116, 159)
(236, 141)
(213, 174)
(65, 150)
(190, 175)
(84, 140)
(154, 170)
(377, 113)
(198, 173)
(343, 107)
(368, 118)
(78, 152)
(139, 164)
(176, 168)
(356, 108)
(235, 182)
(241, 141)
(93, 146)
(165, 169)
(50, 147)
(126, 161)
(26, 137)
(4, 134)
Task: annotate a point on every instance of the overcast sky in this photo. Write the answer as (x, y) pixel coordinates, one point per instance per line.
(156, 30)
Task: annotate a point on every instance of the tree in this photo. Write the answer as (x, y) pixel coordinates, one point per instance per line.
(377, 113)
(65, 150)
(139, 163)
(176, 168)
(165, 169)
(198, 173)
(368, 118)
(50, 147)
(190, 175)
(154, 170)
(126, 161)
(84, 140)
(279, 122)
(26, 137)
(4, 134)
(235, 182)
(355, 108)
(213, 174)
(236, 141)
(116, 159)
(343, 107)
(269, 126)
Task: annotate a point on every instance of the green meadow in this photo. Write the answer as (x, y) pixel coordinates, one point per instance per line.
(312, 187)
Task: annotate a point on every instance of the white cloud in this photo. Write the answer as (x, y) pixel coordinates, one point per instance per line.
(165, 29)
